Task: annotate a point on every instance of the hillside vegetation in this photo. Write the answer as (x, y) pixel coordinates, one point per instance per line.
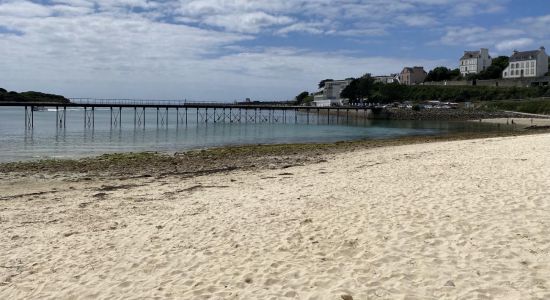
(367, 89)
(6, 96)
(525, 106)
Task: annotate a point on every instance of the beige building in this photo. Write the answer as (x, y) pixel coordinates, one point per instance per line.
(412, 76)
(473, 62)
(527, 64)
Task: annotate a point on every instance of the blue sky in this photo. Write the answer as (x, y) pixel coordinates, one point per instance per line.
(233, 49)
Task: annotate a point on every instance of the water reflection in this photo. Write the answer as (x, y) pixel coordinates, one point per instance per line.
(189, 129)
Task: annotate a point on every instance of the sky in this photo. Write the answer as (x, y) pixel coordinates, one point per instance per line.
(225, 50)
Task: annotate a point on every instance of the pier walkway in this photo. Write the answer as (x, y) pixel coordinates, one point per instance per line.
(185, 111)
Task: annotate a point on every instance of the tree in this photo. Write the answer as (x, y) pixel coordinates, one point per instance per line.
(301, 97)
(501, 61)
(351, 91)
(391, 92)
(494, 71)
(442, 74)
(359, 89)
(322, 82)
(31, 97)
(304, 98)
(366, 87)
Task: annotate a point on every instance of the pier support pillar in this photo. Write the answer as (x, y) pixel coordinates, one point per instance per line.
(60, 117)
(89, 117)
(29, 117)
(116, 118)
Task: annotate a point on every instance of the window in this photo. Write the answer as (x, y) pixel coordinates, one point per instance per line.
(505, 74)
(532, 64)
(517, 65)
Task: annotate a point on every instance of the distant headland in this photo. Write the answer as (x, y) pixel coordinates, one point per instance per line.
(35, 97)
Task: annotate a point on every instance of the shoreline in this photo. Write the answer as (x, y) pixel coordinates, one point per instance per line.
(448, 220)
(230, 158)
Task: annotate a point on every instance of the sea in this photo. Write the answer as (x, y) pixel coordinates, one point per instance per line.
(177, 131)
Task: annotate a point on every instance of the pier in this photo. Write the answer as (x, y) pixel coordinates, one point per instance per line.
(201, 112)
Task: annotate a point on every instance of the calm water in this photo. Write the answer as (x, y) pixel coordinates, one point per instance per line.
(46, 140)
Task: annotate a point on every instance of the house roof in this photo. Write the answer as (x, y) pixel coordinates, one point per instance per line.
(471, 54)
(524, 55)
(413, 70)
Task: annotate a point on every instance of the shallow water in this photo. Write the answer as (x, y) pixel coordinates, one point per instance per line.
(47, 140)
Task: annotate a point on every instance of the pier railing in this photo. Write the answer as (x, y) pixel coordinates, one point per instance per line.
(200, 112)
(141, 102)
(185, 102)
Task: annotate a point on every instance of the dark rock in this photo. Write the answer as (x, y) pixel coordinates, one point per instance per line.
(450, 283)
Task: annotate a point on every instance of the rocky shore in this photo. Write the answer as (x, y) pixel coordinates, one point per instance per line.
(223, 159)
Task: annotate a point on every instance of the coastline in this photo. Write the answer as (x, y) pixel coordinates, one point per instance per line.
(230, 158)
(448, 219)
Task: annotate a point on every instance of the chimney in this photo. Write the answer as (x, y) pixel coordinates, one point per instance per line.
(516, 51)
(542, 48)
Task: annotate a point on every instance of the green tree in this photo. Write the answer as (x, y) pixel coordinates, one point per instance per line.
(359, 89)
(439, 74)
(443, 74)
(494, 71)
(301, 97)
(501, 61)
(366, 87)
(351, 91)
(31, 97)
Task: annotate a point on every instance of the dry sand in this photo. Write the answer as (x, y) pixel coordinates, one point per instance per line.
(449, 220)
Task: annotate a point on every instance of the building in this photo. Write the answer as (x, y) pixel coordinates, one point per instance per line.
(527, 64)
(333, 89)
(329, 95)
(386, 79)
(473, 62)
(411, 76)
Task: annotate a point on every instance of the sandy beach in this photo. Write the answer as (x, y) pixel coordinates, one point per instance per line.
(446, 220)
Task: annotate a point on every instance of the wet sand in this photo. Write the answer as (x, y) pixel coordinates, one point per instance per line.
(445, 220)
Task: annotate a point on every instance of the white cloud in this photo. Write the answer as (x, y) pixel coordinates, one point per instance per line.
(247, 23)
(479, 36)
(24, 9)
(514, 44)
(417, 20)
(522, 34)
(196, 48)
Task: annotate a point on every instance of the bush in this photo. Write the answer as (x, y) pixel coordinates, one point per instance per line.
(392, 93)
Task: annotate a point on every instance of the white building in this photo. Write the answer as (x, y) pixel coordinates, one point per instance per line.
(473, 62)
(527, 64)
(387, 79)
(329, 95)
